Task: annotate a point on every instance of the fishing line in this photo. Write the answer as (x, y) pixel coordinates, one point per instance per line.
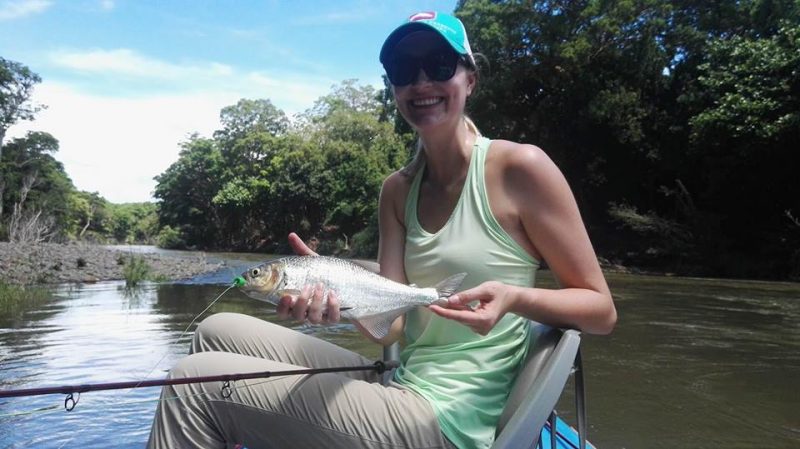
(104, 404)
(117, 404)
(240, 381)
(177, 340)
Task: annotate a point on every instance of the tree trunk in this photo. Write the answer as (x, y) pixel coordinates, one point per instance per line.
(88, 221)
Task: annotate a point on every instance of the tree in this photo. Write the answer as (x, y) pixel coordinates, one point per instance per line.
(35, 187)
(16, 86)
(743, 140)
(653, 110)
(251, 116)
(186, 191)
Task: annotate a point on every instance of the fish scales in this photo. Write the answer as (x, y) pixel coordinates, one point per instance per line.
(364, 293)
(372, 300)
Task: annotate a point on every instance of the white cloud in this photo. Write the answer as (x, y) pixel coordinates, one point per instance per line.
(291, 91)
(116, 144)
(15, 9)
(107, 5)
(129, 63)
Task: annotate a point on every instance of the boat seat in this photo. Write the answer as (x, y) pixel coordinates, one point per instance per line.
(550, 360)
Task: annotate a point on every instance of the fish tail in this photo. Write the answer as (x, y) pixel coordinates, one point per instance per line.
(448, 286)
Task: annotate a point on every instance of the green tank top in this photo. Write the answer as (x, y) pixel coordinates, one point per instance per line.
(465, 376)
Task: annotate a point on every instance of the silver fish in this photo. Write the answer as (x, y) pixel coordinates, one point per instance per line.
(372, 300)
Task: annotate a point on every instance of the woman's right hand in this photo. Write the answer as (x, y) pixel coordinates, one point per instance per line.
(310, 305)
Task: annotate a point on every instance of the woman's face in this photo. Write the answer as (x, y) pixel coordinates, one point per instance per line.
(427, 104)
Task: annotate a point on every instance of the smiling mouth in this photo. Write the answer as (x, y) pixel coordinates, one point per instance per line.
(424, 102)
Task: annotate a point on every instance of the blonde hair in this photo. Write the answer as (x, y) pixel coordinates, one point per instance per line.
(411, 169)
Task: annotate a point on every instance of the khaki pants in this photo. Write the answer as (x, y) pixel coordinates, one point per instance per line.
(338, 410)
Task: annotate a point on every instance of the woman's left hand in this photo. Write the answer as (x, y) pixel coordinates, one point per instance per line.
(495, 300)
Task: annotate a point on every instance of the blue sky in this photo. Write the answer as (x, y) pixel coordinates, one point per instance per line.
(125, 81)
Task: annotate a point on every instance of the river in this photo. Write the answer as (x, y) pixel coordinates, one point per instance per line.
(694, 363)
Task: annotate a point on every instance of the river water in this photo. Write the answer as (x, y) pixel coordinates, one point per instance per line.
(693, 363)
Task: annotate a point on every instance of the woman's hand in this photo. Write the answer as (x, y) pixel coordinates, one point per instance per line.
(495, 300)
(310, 305)
(299, 246)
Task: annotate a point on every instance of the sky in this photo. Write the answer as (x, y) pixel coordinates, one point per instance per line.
(125, 82)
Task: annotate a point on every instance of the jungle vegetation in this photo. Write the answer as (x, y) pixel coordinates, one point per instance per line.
(677, 124)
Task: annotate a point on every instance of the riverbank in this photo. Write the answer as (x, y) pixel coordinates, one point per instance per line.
(52, 263)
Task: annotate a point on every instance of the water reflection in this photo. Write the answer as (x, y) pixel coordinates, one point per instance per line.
(693, 362)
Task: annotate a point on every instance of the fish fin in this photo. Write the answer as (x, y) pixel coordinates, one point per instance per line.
(288, 291)
(378, 325)
(448, 286)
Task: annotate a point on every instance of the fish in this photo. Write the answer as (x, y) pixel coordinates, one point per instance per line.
(366, 297)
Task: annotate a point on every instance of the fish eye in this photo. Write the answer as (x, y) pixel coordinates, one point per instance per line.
(255, 272)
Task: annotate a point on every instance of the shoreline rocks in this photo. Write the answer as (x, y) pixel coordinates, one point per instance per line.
(53, 263)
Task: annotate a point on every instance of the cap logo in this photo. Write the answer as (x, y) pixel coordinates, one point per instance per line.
(422, 16)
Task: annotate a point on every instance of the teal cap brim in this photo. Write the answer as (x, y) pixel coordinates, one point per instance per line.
(448, 27)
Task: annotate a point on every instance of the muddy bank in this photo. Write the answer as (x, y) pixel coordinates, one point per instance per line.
(51, 263)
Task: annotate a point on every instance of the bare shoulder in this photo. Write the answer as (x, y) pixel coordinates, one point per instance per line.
(396, 187)
(396, 182)
(522, 164)
(394, 192)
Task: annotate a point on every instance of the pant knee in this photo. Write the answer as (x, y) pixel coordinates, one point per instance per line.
(212, 330)
(193, 365)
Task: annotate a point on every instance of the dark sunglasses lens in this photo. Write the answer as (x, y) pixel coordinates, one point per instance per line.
(440, 66)
(402, 71)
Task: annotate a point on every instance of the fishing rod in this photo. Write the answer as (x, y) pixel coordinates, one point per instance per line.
(70, 402)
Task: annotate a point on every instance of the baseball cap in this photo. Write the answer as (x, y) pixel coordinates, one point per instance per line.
(446, 25)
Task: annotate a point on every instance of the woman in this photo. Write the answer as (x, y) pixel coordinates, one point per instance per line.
(492, 209)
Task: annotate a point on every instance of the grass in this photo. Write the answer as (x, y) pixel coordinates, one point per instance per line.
(13, 297)
(136, 269)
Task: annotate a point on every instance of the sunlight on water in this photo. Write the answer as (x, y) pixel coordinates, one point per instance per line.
(693, 362)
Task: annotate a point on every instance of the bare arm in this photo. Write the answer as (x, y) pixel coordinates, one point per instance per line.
(551, 220)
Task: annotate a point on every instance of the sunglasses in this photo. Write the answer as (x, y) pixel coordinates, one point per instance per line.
(438, 66)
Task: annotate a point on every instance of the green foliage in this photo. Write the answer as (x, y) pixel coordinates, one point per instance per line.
(686, 110)
(658, 239)
(16, 87)
(135, 270)
(170, 238)
(187, 189)
(15, 297)
(249, 117)
(33, 183)
(249, 188)
(634, 97)
(749, 87)
(132, 222)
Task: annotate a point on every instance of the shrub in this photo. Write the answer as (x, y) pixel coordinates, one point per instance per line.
(135, 270)
(12, 297)
(170, 238)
